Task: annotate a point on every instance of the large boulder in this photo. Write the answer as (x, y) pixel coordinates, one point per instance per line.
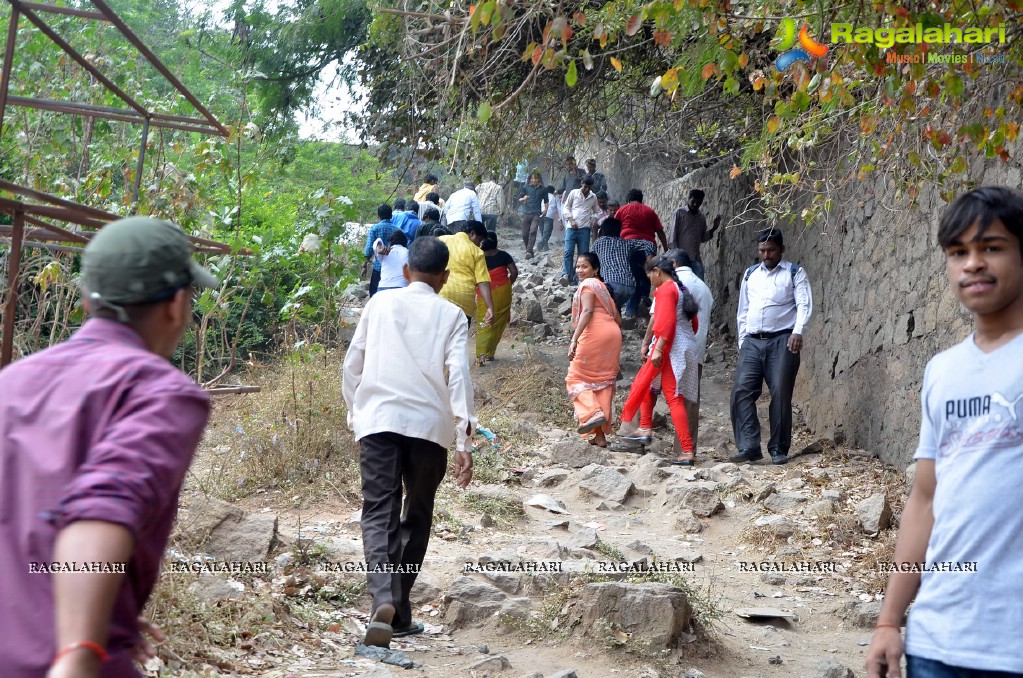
(576, 453)
(654, 615)
(875, 513)
(606, 483)
(471, 600)
(701, 498)
(227, 532)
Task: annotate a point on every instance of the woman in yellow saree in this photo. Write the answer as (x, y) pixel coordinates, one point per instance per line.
(594, 352)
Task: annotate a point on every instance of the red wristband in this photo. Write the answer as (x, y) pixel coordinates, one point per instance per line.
(888, 625)
(95, 648)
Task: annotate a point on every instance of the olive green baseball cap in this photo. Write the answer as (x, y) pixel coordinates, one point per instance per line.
(140, 260)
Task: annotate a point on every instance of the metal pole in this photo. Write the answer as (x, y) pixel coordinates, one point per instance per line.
(5, 78)
(142, 158)
(11, 305)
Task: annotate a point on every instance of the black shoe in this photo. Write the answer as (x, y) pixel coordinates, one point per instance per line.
(779, 459)
(746, 455)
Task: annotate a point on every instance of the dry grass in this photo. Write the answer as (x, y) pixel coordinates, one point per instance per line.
(529, 387)
(292, 435)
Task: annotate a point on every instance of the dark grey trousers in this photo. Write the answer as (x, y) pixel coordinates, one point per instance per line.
(763, 360)
(392, 535)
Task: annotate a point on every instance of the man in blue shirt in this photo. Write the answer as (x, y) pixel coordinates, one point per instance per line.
(410, 222)
(381, 230)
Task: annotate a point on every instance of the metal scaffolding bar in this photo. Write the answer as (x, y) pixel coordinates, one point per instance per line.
(5, 77)
(11, 301)
(157, 64)
(67, 11)
(82, 61)
(109, 113)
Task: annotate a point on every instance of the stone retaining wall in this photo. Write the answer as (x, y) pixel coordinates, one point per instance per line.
(882, 304)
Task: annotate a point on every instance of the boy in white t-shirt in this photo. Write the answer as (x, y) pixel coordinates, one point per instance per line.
(393, 257)
(960, 549)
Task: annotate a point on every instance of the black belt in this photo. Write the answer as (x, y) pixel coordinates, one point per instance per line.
(769, 335)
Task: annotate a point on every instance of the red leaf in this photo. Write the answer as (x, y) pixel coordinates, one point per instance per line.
(635, 23)
(662, 37)
(580, 18)
(709, 70)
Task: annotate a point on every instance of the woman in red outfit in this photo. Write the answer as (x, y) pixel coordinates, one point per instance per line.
(673, 357)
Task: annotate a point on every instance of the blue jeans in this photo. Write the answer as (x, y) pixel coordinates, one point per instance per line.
(697, 267)
(918, 667)
(642, 291)
(575, 238)
(622, 294)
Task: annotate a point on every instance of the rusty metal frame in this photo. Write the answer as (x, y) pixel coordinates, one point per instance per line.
(39, 209)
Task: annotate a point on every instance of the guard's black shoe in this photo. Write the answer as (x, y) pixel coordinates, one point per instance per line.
(779, 459)
(746, 455)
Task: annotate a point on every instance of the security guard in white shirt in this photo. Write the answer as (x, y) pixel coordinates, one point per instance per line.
(775, 304)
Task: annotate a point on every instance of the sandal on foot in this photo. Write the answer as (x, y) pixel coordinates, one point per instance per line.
(379, 632)
(644, 436)
(593, 441)
(592, 423)
(685, 459)
(410, 630)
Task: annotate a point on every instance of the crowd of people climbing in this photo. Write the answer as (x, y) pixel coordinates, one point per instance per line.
(98, 432)
(615, 255)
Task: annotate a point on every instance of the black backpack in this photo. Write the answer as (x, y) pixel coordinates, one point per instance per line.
(792, 271)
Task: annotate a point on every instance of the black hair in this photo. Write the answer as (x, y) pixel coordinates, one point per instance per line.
(551, 189)
(591, 161)
(384, 211)
(473, 227)
(428, 255)
(663, 264)
(412, 206)
(399, 205)
(771, 235)
(490, 242)
(587, 181)
(634, 195)
(611, 227)
(982, 206)
(438, 231)
(697, 193)
(398, 237)
(680, 257)
(433, 197)
(595, 263)
(602, 195)
(430, 179)
(431, 214)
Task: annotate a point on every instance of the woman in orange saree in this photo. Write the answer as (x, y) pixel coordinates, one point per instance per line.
(594, 352)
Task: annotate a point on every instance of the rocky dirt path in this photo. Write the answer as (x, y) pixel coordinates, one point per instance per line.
(793, 541)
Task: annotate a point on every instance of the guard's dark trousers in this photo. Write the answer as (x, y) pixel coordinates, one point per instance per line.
(393, 535)
(763, 360)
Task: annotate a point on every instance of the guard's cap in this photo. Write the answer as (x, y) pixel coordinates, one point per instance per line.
(140, 260)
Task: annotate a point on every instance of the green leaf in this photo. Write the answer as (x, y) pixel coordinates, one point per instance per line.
(571, 75)
(959, 165)
(483, 114)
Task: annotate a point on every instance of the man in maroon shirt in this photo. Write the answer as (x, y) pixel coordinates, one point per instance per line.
(640, 222)
(96, 435)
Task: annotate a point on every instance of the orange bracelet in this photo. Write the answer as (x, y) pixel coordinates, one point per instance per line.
(888, 625)
(95, 648)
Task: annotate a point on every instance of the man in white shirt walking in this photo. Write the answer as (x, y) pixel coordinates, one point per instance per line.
(702, 294)
(491, 197)
(578, 211)
(463, 205)
(406, 379)
(775, 304)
